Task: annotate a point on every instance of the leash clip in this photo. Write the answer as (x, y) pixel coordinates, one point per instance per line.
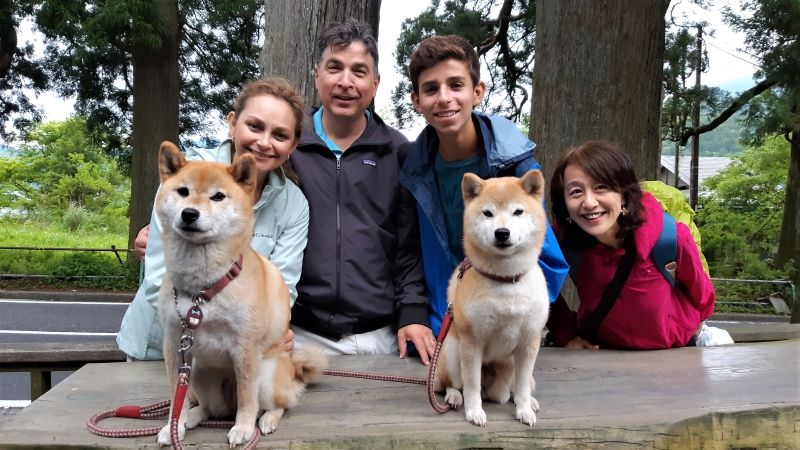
(186, 343)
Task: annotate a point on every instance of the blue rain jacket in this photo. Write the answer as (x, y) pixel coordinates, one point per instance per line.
(507, 152)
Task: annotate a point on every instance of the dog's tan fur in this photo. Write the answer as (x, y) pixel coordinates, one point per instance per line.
(496, 332)
(238, 360)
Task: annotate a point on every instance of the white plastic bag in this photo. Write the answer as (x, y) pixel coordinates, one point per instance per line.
(711, 336)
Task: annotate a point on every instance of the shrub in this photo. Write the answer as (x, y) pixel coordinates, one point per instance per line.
(74, 217)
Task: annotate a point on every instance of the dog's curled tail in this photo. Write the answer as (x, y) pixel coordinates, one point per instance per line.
(309, 362)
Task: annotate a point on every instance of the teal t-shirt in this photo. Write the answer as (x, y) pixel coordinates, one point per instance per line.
(448, 182)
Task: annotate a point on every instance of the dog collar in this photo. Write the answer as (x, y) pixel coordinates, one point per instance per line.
(467, 264)
(236, 268)
(195, 315)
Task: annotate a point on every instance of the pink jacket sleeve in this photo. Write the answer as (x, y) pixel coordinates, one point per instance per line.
(692, 279)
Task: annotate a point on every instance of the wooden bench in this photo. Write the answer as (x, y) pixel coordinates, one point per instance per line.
(735, 396)
(42, 358)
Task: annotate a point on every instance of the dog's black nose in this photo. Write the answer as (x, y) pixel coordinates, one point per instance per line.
(502, 234)
(189, 215)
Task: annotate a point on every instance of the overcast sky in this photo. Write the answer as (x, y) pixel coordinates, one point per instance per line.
(726, 61)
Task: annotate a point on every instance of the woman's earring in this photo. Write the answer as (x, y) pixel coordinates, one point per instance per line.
(569, 219)
(624, 211)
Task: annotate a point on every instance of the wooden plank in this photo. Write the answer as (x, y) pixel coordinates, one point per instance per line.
(737, 396)
(59, 352)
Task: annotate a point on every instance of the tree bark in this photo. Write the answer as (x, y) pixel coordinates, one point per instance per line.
(156, 93)
(790, 232)
(789, 244)
(597, 75)
(290, 35)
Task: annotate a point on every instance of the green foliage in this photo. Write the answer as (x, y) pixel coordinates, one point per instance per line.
(74, 217)
(60, 265)
(20, 74)
(88, 55)
(681, 95)
(772, 31)
(740, 218)
(60, 172)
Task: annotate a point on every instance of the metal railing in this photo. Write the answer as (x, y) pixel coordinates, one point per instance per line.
(795, 309)
(113, 249)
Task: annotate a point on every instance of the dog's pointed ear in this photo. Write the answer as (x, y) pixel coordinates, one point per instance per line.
(471, 186)
(170, 160)
(533, 183)
(243, 171)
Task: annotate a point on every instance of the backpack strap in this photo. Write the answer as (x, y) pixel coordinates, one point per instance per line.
(587, 328)
(665, 252)
(572, 257)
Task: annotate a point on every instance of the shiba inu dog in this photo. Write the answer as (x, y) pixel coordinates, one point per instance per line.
(234, 298)
(499, 298)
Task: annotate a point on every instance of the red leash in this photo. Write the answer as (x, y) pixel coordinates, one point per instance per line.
(440, 408)
(157, 410)
(446, 322)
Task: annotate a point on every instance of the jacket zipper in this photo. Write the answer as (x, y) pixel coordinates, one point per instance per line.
(338, 228)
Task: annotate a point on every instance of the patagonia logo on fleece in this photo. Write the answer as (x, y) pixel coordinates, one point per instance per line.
(369, 162)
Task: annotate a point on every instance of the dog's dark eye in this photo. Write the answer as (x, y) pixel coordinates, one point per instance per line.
(183, 191)
(487, 213)
(218, 197)
(518, 212)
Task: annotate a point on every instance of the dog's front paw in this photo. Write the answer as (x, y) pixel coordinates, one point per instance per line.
(476, 416)
(165, 437)
(240, 434)
(195, 415)
(535, 405)
(527, 416)
(453, 397)
(269, 421)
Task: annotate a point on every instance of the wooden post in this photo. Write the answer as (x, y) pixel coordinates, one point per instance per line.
(41, 382)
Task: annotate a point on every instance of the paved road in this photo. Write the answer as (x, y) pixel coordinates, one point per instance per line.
(24, 320)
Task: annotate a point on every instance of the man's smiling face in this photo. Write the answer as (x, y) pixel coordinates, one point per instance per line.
(346, 80)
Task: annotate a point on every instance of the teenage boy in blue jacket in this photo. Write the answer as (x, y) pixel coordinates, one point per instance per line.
(446, 86)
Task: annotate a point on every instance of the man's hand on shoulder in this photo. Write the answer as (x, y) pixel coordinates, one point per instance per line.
(421, 336)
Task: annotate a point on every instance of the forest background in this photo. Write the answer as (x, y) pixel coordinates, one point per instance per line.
(67, 182)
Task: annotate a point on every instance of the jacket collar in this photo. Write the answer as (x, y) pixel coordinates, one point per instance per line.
(503, 144)
(375, 135)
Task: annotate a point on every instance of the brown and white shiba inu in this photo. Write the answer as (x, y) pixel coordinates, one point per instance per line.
(237, 357)
(500, 302)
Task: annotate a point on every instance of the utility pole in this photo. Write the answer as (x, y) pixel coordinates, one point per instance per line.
(695, 162)
(676, 181)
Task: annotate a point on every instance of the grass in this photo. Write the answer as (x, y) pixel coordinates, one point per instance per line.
(63, 269)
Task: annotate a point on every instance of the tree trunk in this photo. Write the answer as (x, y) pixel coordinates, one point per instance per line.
(597, 75)
(290, 34)
(156, 89)
(789, 246)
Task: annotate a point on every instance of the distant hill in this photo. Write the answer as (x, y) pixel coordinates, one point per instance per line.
(7, 152)
(738, 85)
(724, 140)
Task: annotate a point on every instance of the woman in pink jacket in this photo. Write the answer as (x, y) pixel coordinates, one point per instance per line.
(600, 215)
